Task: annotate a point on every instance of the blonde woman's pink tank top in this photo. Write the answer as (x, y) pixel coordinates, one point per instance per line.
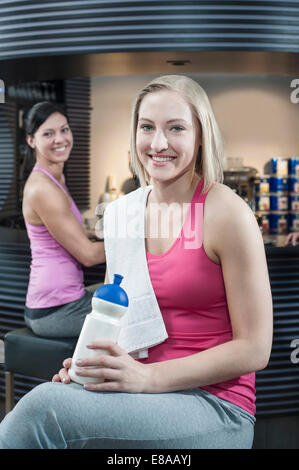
(190, 291)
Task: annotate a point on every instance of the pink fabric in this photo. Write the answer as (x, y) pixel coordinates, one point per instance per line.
(190, 291)
(56, 278)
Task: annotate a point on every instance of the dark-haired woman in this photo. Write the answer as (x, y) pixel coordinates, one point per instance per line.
(57, 301)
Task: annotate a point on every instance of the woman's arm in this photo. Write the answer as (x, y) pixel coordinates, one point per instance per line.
(233, 233)
(292, 239)
(53, 208)
(92, 235)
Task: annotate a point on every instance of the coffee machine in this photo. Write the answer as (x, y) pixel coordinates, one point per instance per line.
(241, 179)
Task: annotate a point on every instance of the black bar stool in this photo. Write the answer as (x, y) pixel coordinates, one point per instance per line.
(32, 356)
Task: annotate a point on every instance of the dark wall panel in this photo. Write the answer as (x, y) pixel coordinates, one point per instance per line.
(77, 168)
(8, 168)
(277, 386)
(39, 28)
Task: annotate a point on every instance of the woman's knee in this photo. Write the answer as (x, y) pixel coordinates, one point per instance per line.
(38, 401)
(26, 425)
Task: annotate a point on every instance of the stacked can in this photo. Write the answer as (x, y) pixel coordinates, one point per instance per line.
(277, 198)
(293, 194)
(262, 201)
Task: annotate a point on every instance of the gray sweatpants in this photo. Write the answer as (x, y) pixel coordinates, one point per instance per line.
(61, 321)
(59, 416)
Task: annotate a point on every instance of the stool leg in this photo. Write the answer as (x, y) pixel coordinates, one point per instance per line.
(9, 391)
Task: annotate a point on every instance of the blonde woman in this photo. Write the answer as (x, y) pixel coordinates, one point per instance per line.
(200, 318)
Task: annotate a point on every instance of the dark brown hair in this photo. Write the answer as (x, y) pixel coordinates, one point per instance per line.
(37, 115)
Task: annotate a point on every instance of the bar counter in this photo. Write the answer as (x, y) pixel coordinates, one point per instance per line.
(277, 386)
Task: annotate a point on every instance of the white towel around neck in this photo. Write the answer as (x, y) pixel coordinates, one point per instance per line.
(124, 234)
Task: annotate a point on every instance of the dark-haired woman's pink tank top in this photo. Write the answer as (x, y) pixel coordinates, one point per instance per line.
(56, 278)
(190, 291)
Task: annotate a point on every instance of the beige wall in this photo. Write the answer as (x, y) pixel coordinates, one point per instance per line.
(255, 114)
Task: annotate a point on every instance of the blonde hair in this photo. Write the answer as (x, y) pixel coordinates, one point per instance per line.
(209, 162)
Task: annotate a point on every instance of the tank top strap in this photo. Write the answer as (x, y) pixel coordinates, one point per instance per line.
(74, 207)
(198, 195)
(38, 168)
(192, 230)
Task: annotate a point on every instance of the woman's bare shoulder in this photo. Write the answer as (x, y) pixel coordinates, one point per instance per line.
(224, 203)
(220, 190)
(230, 226)
(229, 218)
(39, 185)
(41, 194)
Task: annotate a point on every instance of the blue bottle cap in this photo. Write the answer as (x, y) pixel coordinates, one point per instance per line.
(113, 292)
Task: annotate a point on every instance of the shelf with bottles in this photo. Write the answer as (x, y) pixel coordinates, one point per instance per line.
(277, 196)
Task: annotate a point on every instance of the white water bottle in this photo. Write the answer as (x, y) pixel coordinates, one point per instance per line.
(109, 304)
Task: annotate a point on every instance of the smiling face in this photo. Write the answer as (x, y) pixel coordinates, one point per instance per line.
(167, 137)
(53, 140)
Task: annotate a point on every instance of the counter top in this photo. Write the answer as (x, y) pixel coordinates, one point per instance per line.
(276, 243)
